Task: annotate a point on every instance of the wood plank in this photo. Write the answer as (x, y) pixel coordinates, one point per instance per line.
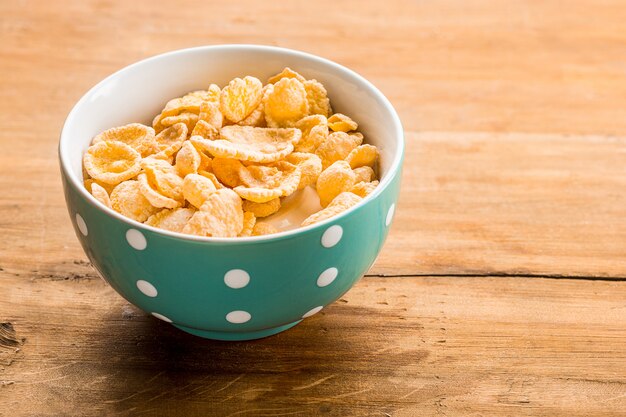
(451, 346)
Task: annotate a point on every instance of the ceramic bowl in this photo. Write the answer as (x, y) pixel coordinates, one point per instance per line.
(219, 288)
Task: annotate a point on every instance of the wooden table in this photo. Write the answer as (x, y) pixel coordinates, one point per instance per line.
(500, 290)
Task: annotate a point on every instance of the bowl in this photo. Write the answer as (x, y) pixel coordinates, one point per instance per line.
(223, 288)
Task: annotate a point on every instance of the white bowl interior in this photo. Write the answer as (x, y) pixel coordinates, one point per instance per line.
(138, 92)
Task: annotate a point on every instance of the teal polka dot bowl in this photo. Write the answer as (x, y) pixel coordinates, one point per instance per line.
(218, 288)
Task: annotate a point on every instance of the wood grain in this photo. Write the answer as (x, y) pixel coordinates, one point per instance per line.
(515, 165)
(395, 346)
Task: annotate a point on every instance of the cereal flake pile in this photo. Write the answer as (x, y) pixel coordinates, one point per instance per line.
(216, 160)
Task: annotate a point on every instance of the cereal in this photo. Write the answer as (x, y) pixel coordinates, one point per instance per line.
(188, 159)
(341, 123)
(153, 196)
(363, 155)
(314, 132)
(172, 220)
(211, 114)
(197, 189)
(220, 216)
(217, 160)
(263, 228)
(286, 103)
(310, 166)
(227, 171)
(363, 189)
(340, 203)
(101, 194)
(365, 174)
(255, 144)
(317, 98)
(337, 147)
(137, 136)
(286, 73)
(112, 162)
(334, 180)
(127, 200)
(262, 209)
(170, 140)
(249, 220)
(240, 97)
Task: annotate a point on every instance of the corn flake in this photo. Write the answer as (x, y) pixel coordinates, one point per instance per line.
(220, 216)
(227, 171)
(155, 198)
(262, 209)
(340, 203)
(341, 123)
(127, 200)
(363, 155)
(286, 103)
(285, 73)
(137, 136)
(100, 194)
(255, 144)
(197, 188)
(112, 162)
(263, 228)
(310, 166)
(363, 189)
(317, 98)
(172, 220)
(249, 220)
(188, 160)
(240, 97)
(337, 147)
(334, 180)
(170, 140)
(364, 174)
(314, 132)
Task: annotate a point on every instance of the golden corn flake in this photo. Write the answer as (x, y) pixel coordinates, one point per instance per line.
(310, 166)
(112, 162)
(258, 194)
(240, 97)
(188, 159)
(341, 123)
(334, 180)
(197, 189)
(339, 204)
(286, 103)
(364, 155)
(137, 136)
(218, 185)
(163, 178)
(364, 174)
(257, 117)
(314, 132)
(249, 220)
(151, 194)
(188, 119)
(263, 228)
(317, 98)
(281, 176)
(220, 216)
(211, 114)
(285, 73)
(172, 220)
(262, 209)
(100, 194)
(255, 144)
(90, 181)
(127, 200)
(227, 171)
(337, 147)
(363, 189)
(170, 140)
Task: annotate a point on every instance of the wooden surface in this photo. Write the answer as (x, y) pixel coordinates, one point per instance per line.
(501, 289)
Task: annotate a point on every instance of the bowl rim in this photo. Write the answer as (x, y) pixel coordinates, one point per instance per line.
(384, 182)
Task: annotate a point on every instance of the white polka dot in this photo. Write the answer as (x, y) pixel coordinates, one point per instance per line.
(136, 239)
(147, 288)
(390, 214)
(82, 226)
(236, 278)
(312, 311)
(327, 277)
(238, 316)
(161, 317)
(332, 236)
